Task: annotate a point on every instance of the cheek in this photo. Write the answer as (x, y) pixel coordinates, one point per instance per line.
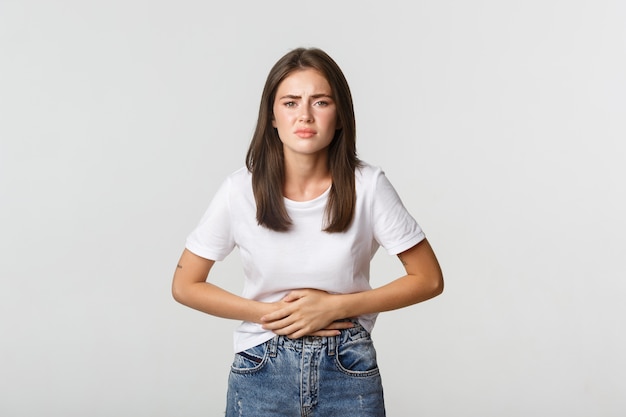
(278, 118)
(334, 122)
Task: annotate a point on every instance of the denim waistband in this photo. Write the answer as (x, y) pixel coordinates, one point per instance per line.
(330, 342)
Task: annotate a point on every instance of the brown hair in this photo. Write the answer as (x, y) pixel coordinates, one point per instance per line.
(265, 158)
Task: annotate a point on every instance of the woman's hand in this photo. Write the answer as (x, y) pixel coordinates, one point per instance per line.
(306, 312)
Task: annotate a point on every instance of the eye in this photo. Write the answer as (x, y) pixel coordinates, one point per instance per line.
(289, 103)
(321, 103)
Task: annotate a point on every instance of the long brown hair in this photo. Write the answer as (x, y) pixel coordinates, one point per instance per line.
(265, 158)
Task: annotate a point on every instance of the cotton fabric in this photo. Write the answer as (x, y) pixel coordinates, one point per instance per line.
(275, 263)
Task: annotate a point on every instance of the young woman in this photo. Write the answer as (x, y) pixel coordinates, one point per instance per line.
(307, 216)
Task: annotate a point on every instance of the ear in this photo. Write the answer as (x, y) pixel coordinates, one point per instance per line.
(273, 122)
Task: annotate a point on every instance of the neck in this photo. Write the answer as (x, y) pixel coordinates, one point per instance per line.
(306, 177)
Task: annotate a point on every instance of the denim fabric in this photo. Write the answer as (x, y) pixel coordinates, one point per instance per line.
(307, 377)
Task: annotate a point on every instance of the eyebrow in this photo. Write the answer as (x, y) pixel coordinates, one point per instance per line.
(294, 96)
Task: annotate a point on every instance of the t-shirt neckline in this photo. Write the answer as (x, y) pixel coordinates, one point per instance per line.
(308, 203)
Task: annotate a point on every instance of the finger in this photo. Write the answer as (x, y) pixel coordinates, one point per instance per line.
(340, 325)
(292, 331)
(277, 325)
(292, 296)
(325, 333)
(276, 315)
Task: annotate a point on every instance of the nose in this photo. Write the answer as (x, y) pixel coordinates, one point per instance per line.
(305, 114)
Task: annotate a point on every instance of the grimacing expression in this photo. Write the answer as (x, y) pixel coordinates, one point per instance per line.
(305, 113)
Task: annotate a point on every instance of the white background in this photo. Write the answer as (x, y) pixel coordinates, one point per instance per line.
(501, 124)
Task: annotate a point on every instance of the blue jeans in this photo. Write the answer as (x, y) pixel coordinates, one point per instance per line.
(307, 377)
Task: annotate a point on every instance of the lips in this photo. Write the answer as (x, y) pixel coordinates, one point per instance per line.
(305, 132)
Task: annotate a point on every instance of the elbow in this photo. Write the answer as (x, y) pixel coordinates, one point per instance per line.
(436, 285)
(426, 287)
(178, 292)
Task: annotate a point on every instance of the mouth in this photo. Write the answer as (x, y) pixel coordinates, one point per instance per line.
(305, 132)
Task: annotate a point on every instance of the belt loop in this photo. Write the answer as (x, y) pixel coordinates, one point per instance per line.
(272, 346)
(332, 343)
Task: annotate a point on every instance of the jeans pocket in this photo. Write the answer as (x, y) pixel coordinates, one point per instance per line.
(357, 357)
(250, 360)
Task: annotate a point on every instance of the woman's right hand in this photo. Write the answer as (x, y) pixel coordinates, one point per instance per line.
(305, 312)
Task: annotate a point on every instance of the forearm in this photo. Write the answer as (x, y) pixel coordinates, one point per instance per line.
(309, 310)
(402, 292)
(424, 280)
(189, 287)
(213, 300)
(315, 312)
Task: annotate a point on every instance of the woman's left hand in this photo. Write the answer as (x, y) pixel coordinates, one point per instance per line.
(306, 312)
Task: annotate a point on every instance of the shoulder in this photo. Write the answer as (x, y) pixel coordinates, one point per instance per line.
(235, 183)
(368, 176)
(240, 174)
(372, 184)
(367, 173)
(239, 178)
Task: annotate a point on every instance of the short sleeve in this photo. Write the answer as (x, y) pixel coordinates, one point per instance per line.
(213, 237)
(394, 227)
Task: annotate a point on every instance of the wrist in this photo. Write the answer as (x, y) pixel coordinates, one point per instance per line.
(341, 306)
(351, 305)
(258, 309)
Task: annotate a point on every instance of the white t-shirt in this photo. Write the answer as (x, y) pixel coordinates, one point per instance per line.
(305, 256)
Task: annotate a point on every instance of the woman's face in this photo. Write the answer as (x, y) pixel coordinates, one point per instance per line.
(305, 113)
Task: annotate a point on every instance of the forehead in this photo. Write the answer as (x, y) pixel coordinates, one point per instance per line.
(304, 80)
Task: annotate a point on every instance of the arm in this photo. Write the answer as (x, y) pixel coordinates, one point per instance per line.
(189, 287)
(309, 310)
(423, 281)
